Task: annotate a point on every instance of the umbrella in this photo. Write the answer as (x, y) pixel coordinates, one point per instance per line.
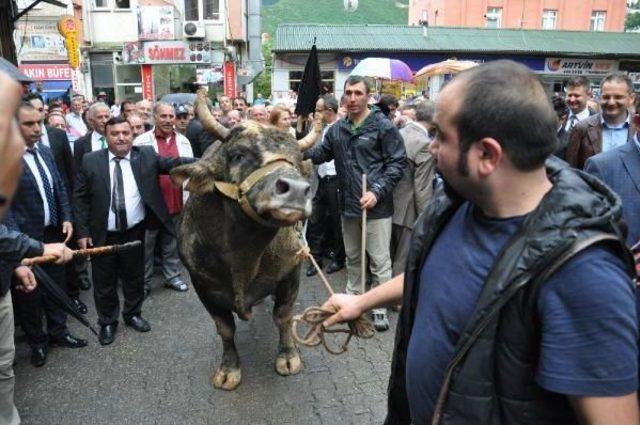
(383, 68)
(12, 71)
(449, 66)
(309, 90)
(59, 296)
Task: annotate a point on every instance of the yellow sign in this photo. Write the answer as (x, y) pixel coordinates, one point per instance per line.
(69, 28)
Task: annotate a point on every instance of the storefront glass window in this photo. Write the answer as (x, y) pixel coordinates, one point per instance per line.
(100, 4)
(173, 78)
(102, 69)
(211, 9)
(191, 10)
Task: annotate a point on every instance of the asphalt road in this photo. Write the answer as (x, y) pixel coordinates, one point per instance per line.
(163, 377)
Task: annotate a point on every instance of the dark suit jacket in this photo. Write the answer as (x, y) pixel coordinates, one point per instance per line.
(14, 246)
(81, 147)
(26, 214)
(92, 194)
(586, 140)
(619, 168)
(59, 145)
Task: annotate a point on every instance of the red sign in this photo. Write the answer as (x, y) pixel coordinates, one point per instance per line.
(48, 71)
(147, 82)
(230, 79)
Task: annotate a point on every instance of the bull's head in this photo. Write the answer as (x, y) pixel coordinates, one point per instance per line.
(265, 169)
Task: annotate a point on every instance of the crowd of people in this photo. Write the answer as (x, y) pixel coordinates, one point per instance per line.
(511, 268)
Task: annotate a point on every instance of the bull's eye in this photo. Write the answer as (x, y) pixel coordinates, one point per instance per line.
(235, 158)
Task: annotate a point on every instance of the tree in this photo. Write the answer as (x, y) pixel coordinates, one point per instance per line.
(263, 82)
(632, 22)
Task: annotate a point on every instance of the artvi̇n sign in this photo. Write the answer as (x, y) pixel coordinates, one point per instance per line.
(579, 66)
(166, 52)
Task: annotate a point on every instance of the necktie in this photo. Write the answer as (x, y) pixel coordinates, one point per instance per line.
(572, 122)
(48, 190)
(103, 142)
(117, 197)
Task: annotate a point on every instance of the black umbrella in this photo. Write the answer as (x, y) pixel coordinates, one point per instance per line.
(59, 297)
(13, 71)
(309, 89)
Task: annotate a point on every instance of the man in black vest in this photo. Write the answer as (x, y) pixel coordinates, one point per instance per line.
(518, 299)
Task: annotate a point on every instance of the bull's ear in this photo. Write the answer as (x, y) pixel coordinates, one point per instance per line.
(198, 176)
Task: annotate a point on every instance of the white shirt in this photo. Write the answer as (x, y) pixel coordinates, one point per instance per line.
(44, 139)
(132, 198)
(96, 144)
(31, 163)
(584, 114)
(76, 125)
(327, 168)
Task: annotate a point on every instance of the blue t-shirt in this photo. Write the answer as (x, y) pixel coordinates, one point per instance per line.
(587, 311)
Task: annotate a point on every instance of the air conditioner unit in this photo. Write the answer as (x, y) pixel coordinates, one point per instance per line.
(193, 29)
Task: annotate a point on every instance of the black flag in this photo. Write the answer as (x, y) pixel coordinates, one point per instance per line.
(309, 90)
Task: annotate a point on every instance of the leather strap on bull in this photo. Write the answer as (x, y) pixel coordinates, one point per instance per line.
(239, 191)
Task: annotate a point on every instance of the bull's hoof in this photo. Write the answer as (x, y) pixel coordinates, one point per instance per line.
(288, 363)
(227, 378)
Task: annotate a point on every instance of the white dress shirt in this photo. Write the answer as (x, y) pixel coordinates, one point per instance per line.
(76, 125)
(44, 139)
(584, 114)
(96, 144)
(327, 168)
(31, 163)
(132, 198)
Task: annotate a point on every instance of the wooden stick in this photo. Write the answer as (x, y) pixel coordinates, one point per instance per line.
(322, 276)
(102, 250)
(363, 252)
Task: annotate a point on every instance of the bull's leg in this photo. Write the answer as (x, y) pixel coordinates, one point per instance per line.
(288, 361)
(228, 375)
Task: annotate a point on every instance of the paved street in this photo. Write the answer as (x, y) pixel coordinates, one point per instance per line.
(163, 377)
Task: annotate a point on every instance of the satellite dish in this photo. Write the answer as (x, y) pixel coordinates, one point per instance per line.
(350, 5)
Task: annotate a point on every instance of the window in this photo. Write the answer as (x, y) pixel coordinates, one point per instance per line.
(100, 4)
(328, 80)
(211, 9)
(191, 10)
(494, 17)
(123, 4)
(597, 20)
(549, 19)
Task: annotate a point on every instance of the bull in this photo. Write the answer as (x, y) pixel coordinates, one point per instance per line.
(237, 236)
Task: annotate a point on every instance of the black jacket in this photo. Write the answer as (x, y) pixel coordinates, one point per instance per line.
(92, 192)
(375, 149)
(59, 145)
(81, 147)
(14, 246)
(491, 377)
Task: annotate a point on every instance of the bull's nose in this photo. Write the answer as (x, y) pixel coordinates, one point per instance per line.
(292, 189)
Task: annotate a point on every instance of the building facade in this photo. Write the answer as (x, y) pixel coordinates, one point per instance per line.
(554, 55)
(573, 15)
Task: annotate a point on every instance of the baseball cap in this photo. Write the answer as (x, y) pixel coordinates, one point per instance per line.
(181, 110)
(102, 94)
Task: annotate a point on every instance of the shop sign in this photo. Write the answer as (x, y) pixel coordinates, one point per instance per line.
(570, 66)
(166, 52)
(69, 28)
(147, 82)
(230, 79)
(38, 41)
(132, 53)
(47, 71)
(348, 61)
(156, 23)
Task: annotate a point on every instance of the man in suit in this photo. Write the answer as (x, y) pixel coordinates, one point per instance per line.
(41, 210)
(620, 170)
(578, 94)
(610, 128)
(98, 114)
(116, 195)
(414, 190)
(168, 143)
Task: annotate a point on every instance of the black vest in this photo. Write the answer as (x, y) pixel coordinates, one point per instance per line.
(491, 378)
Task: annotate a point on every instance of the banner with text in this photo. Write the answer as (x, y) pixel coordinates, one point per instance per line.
(570, 66)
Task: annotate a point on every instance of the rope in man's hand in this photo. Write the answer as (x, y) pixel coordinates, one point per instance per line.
(314, 317)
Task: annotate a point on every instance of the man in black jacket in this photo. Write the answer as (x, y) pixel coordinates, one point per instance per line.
(116, 196)
(366, 142)
(518, 299)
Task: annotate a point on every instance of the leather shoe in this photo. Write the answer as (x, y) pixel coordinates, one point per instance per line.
(39, 356)
(138, 324)
(107, 333)
(84, 284)
(82, 307)
(177, 285)
(311, 270)
(334, 266)
(69, 341)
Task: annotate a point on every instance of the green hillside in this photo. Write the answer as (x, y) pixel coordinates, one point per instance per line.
(275, 12)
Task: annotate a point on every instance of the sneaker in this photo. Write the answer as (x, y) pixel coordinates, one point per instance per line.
(380, 320)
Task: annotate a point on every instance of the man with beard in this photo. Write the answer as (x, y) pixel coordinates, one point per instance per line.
(168, 144)
(518, 298)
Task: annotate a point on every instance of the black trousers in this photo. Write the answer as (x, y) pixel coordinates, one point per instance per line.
(324, 230)
(75, 270)
(128, 266)
(31, 307)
